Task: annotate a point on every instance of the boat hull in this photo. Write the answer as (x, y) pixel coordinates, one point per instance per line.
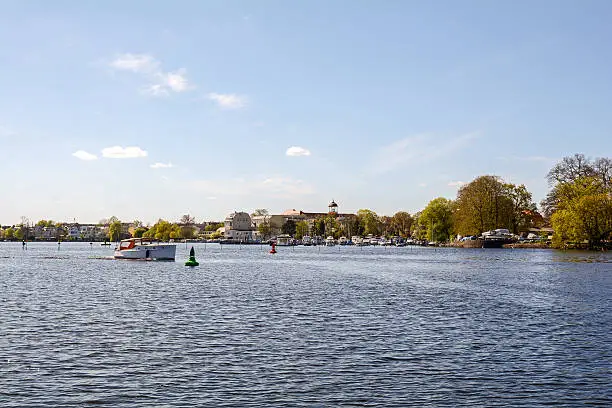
(154, 252)
(495, 243)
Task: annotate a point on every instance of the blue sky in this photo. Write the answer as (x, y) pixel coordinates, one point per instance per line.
(148, 109)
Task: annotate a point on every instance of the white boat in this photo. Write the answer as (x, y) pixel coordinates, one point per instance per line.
(342, 240)
(357, 240)
(146, 249)
(284, 240)
(330, 241)
(306, 240)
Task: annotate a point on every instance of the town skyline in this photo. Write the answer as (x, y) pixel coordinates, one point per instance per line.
(144, 110)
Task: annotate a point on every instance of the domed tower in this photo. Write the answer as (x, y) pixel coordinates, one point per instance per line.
(333, 208)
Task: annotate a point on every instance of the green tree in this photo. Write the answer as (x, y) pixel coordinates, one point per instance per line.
(114, 230)
(438, 219)
(163, 231)
(369, 222)
(569, 170)
(331, 226)
(264, 229)
(482, 205)
(521, 207)
(318, 226)
(289, 227)
(583, 213)
(401, 224)
(9, 234)
(301, 229)
(139, 232)
(187, 231)
(19, 233)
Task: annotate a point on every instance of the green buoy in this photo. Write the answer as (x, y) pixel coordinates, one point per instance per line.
(192, 261)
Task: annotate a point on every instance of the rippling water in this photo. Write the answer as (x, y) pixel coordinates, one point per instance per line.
(309, 326)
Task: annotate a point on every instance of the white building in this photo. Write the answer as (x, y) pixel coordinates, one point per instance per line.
(239, 227)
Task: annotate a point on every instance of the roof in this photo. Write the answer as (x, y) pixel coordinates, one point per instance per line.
(332, 204)
(292, 212)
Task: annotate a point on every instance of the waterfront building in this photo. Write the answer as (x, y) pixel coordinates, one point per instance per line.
(238, 226)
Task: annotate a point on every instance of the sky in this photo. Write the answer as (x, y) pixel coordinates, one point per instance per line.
(155, 109)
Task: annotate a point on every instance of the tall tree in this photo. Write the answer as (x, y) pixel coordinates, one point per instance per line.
(369, 221)
(482, 205)
(522, 208)
(438, 219)
(187, 220)
(318, 227)
(289, 227)
(139, 232)
(265, 229)
(114, 230)
(569, 170)
(301, 229)
(9, 234)
(583, 213)
(401, 223)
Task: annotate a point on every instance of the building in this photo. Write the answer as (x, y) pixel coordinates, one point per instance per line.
(277, 221)
(238, 226)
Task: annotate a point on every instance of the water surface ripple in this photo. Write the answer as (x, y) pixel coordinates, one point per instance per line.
(312, 326)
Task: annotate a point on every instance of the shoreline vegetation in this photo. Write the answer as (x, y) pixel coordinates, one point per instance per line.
(576, 213)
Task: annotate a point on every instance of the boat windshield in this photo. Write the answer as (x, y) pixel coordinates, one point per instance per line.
(129, 244)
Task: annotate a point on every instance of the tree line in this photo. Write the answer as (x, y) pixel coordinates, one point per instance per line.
(578, 207)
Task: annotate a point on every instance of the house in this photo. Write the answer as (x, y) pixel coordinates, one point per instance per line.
(238, 226)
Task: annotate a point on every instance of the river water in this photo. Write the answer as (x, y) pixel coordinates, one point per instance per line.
(309, 326)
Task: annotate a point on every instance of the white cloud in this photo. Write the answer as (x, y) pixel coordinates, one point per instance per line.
(176, 81)
(297, 151)
(228, 101)
(422, 185)
(456, 183)
(416, 150)
(161, 83)
(140, 63)
(118, 152)
(162, 166)
(83, 155)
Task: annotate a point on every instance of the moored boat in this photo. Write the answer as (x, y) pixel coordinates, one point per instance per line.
(145, 249)
(497, 238)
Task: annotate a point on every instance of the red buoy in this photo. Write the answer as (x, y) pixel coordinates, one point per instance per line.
(273, 250)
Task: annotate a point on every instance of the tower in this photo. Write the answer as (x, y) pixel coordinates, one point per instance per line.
(333, 208)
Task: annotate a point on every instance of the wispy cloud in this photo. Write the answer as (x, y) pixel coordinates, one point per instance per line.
(422, 185)
(297, 151)
(456, 183)
(160, 82)
(139, 63)
(417, 150)
(83, 155)
(228, 101)
(118, 152)
(162, 166)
